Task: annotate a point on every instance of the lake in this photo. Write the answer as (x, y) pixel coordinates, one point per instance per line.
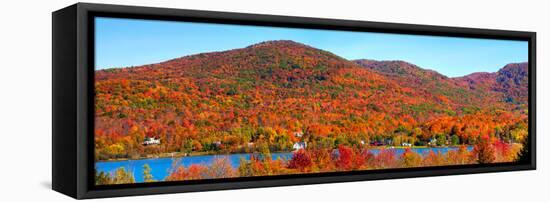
(161, 166)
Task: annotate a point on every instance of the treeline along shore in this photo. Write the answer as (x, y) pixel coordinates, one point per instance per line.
(318, 161)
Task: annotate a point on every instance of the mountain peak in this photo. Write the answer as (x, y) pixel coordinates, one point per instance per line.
(513, 70)
(269, 60)
(521, 66)
(276, 43)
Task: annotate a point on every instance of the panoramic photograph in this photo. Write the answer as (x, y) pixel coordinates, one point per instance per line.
(184, 101)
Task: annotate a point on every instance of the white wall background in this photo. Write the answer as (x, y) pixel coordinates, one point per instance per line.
(25, 99)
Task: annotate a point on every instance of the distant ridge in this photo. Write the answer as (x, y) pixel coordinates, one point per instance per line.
(397, 67)
(287, 61)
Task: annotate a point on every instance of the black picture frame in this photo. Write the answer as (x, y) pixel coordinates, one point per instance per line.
(73, 98)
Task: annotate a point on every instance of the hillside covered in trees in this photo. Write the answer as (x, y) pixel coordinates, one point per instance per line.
(268, 96)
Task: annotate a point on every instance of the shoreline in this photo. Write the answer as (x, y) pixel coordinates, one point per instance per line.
(195, 154)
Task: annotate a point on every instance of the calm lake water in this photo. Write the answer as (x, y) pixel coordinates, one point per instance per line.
(161, 166)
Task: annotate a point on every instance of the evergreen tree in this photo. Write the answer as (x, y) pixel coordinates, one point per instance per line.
(455, 140)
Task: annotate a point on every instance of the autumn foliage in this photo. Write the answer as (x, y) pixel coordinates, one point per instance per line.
(266, 97)
(300, 161)
(322, 160)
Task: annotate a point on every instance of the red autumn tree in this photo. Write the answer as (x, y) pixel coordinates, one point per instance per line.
(300, 161)
(345, 158)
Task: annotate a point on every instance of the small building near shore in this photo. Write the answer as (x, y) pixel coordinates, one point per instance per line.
(151, 141)
(299, 145)
(432, 142)
(217, 144)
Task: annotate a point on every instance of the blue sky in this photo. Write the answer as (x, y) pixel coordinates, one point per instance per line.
(129, 42)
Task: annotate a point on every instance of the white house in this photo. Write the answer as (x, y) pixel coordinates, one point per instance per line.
(217, 143)
(405, 144)
(299, 145)
(151, 141)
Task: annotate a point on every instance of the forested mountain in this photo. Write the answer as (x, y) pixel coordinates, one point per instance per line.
(511, 81)
(261, 96)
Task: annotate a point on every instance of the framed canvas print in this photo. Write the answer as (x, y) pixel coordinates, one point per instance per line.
(154, 100)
